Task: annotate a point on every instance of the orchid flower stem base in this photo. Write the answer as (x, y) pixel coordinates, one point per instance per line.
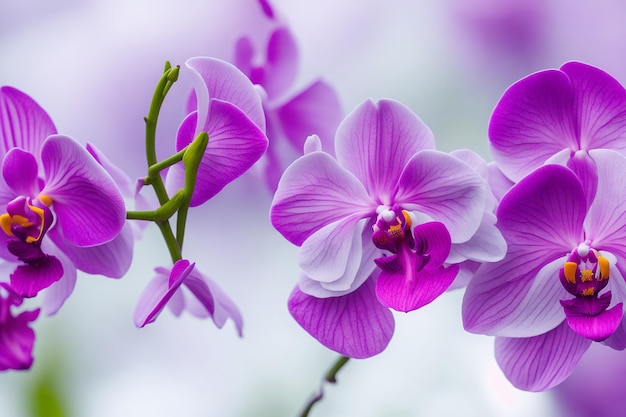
(329, 378)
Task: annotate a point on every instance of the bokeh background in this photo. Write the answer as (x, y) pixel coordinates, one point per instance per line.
(92, 65)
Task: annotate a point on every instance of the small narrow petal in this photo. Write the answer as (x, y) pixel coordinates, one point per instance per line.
(28, 279)
(23, 123)
(376, 141)
(159, 291)
(533, 120)
(20, 172)
(216, 79)
(315, 110)
(355, 325)
(446, 189)
(88, 204)
(600, 105)
(314, 192)
(541, 362)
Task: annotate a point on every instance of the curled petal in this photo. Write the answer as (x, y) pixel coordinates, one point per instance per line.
(30, 278)
(355, 325)
(20, 171)
(541, 362)
(159, 291)
(216, 79)
(16, 337)
(88, 204)
(375, 142)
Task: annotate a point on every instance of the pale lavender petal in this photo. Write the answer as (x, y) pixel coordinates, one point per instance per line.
(312, 144)
(541, 362)
(28, 279)
(600, 106)
(473, 160)
(20, 172)
(585, 169)
(376, 141)
(111, 259)
(533, 120)
(498, 182)
(159, 291)
(355, 325)
(281, 67)
(216, 79)
(55, 295)
(617, 340)
(446, 189)
(23, 123)
(333, 250)
(243, 59)
(314, 192)
(486, 245)
(606, 221)
(235, 144)
(177, 303)
(87, 203)
(518, 296)
(123, 181)
(316, 110)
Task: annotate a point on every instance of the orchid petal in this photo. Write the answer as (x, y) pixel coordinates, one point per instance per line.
(375, 142)
(159, 291)
(316, 110)
(111, 259)
(281, 67)
(23, 123)
(486, 245)
(600, 106)
(541, 362)
(498, 182)
(598, 327)
(533, 120)
(216, 79)
(20, 172)
(585, 169)
(235, 144)
(55, 295)
(88, 205)
(355, 325)
(617, 340)
(16, 337)
(607, 215)
(446, 189)
(123, 182)
(28, 279)
(314, 192)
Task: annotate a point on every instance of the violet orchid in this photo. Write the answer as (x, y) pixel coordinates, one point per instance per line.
(51, 186)
(558, 116)
(229, 110)
(16, 337)
(207, 300)
(290, 118)
(388, 200)
(561, 284)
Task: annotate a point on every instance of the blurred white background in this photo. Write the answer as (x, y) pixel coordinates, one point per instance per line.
(92, 65)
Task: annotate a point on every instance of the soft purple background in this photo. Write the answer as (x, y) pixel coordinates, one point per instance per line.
(92, 65)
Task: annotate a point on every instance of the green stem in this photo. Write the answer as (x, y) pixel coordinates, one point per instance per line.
(329, 378)
(191, 159)
(155, 169)
(161, 214)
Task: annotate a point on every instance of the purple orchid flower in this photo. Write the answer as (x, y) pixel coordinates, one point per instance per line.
(208, 299)
(229, 110)
(290, 118)
(51, 186)
(558, 116)
(561, 284)
(16, 337)
(390, 201)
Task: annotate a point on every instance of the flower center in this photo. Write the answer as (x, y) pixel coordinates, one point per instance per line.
(392, 229)
(585, 272)
(27, 219)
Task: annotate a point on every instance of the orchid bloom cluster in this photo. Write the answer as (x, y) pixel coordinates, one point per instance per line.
(383, 221)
